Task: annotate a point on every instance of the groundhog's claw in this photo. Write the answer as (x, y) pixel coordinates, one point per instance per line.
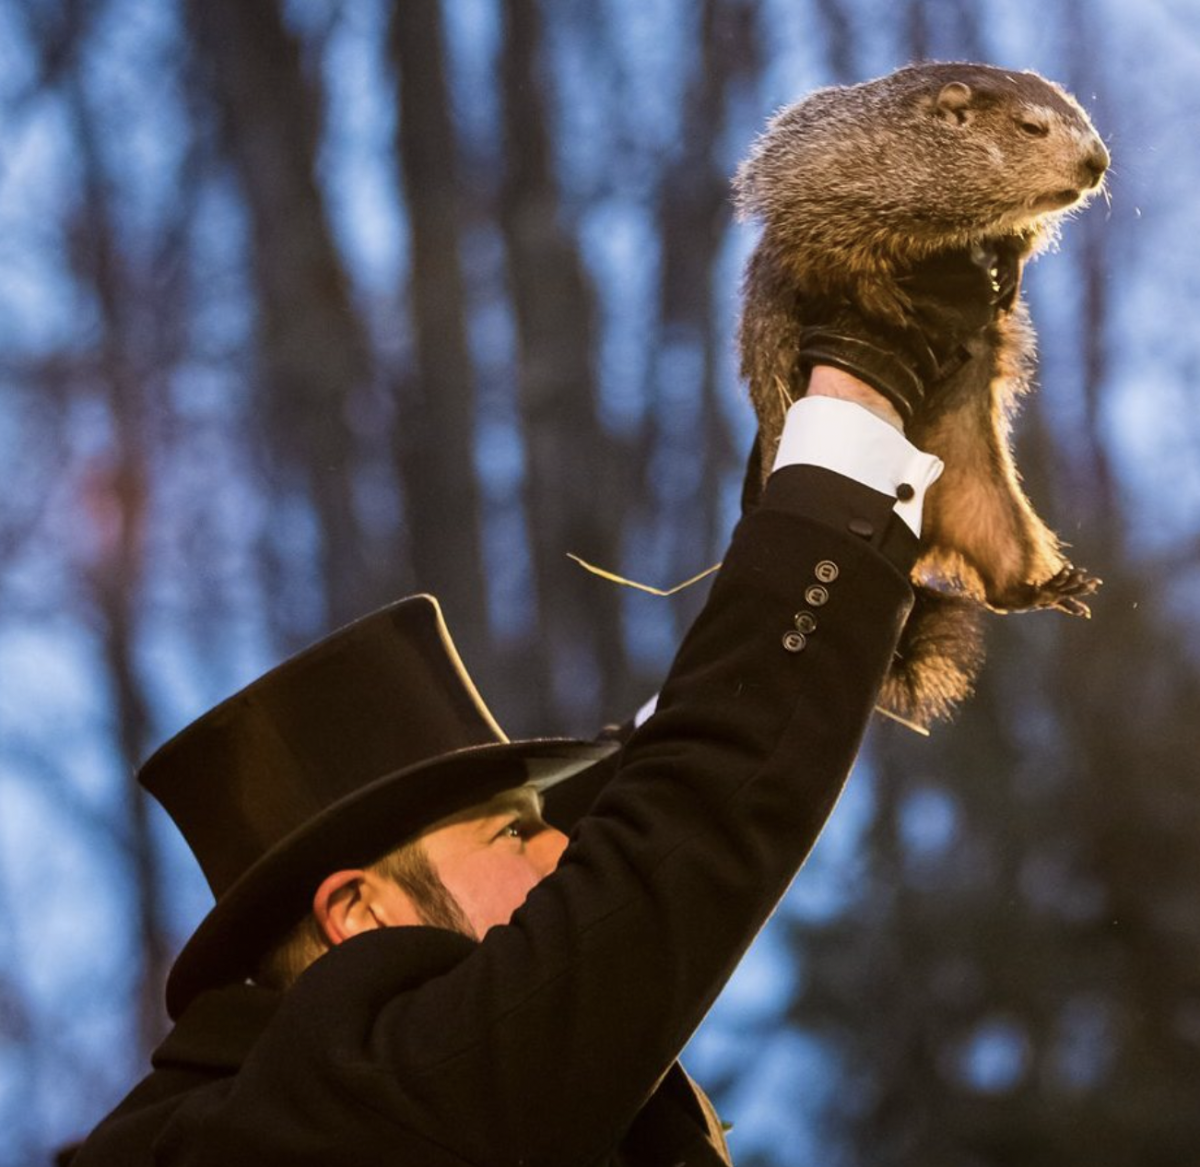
(1061, 591)
(1064, 589)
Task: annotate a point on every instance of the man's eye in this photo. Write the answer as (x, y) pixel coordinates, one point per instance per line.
(513, 830)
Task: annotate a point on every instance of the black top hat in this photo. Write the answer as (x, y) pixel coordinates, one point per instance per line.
(328, 761)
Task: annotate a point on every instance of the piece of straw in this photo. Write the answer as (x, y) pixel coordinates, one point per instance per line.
(903, 721)
(641, 587)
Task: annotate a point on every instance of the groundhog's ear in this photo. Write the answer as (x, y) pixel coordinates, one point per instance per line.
(953, 102)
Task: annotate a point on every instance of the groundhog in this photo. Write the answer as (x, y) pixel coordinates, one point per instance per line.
(851, 185)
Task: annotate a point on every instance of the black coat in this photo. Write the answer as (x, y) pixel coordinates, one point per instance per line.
(553, 1042)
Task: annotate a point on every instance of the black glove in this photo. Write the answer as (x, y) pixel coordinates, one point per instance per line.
(954, 296)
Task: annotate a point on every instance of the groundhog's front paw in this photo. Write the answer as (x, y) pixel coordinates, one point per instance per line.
(1062, 591)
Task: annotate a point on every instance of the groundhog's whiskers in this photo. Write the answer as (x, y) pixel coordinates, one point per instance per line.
(785, 396)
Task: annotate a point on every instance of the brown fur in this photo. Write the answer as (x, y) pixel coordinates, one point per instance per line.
(851, 185)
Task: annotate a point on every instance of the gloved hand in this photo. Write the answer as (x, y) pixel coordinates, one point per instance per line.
(954, 296)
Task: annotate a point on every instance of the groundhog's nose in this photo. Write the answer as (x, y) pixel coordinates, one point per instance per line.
(1096, 161)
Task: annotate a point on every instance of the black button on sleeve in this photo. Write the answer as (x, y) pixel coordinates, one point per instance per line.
(838, 501)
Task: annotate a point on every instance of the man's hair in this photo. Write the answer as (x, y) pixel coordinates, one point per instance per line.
(409, 868)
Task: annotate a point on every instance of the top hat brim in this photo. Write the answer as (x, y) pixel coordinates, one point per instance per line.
(276, 891)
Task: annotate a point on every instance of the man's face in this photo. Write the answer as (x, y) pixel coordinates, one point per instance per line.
(490, 856)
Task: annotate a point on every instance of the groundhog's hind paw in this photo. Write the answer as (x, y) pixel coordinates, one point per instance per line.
(1061, 591)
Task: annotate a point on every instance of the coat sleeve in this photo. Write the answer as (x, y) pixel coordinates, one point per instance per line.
(540, 1045)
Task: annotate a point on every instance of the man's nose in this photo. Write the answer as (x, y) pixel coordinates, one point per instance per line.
(549, 846)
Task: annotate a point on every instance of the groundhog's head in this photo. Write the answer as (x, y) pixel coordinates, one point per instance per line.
(852, 180)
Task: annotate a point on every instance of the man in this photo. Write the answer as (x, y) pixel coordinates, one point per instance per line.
(407, 963)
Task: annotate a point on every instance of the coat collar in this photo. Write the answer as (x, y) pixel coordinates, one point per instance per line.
(218, 1028)
(215, 1032)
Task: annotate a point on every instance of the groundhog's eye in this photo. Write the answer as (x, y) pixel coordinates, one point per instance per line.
(1034, 129)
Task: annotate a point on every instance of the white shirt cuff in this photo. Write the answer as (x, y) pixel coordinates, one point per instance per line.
(643, 714)
(849, 439)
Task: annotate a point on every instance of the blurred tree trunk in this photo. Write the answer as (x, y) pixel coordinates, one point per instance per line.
(115, 497)
(576, 493)
(313, 355)
(693, 214)
(917, 31)
(943, 30)
(831, 16)
(434, 441)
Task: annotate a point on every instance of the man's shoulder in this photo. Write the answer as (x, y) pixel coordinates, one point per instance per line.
(376, 965)
(127, 1136)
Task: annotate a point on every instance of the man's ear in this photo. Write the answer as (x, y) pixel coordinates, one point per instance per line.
(344, 905)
